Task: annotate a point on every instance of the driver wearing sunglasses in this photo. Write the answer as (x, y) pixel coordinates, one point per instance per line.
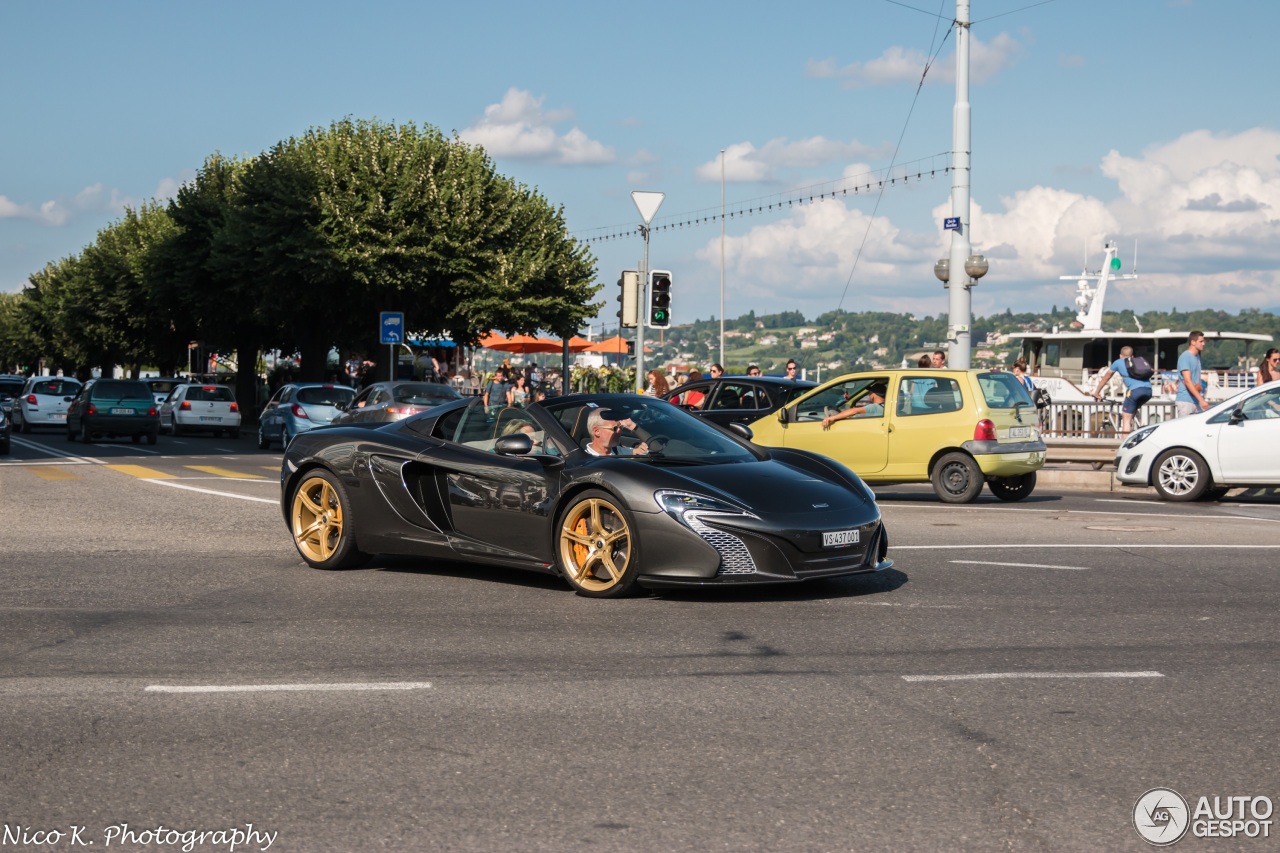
(606, 433)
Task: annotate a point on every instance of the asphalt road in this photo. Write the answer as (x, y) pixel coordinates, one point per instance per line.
(1018, 680)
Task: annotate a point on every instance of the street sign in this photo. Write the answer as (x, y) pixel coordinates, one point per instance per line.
(951, 223)
(391, 323)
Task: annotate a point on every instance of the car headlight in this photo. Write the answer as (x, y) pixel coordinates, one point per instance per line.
(677, 504)
(1138, 437)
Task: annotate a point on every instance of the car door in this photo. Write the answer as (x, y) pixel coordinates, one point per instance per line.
(356, 409)
(928, 413)
(167, 417)
(862, 443)
(732, 402)
(272, 412)
(499, 505)
(1246, 443)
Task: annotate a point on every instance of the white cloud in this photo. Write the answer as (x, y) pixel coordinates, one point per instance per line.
(92, 200)
(519, 128)
(905, 65)
(1203, 209)
(743, 162)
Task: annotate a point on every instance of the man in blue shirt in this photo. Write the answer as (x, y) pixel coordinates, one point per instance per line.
(1190, 399)
(1136, 391)
(872, 407)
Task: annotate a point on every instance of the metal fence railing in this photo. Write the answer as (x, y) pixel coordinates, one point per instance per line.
(1097, 420)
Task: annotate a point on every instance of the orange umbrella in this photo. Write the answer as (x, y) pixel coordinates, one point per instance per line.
(617, 345)
(578, 344)
(489, 340)
(524, 344)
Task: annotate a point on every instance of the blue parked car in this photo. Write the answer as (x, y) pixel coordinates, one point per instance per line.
(299, 407)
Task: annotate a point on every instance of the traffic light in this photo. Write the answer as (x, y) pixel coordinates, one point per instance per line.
(631, 349)
(629, 296)
(660, 299)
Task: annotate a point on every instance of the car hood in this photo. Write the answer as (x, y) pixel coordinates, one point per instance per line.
(769, 487)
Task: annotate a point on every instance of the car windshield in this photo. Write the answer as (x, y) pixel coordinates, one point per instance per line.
(56, 387)
(121, 389)
(211, 394)
(326, 395)
(671, 434)
(10, 389)
(424, 394)
(1003, 390)
(162, 386)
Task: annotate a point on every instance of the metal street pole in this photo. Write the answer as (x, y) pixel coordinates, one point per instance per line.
(647, 203)
(960, 300)
(722, 257)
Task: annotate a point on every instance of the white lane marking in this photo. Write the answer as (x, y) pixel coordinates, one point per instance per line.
(270, 688)
(1144, 513)
(1124, 545)
(999, 676)
(15, 463)
(1025, 565)
(174, 485)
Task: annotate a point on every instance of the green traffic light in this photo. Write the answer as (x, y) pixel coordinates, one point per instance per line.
(1115, 264)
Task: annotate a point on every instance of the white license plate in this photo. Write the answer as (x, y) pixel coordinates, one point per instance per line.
(1020, 432)
(836, 538)
(58, 416)
(210, 418)
(122, 411)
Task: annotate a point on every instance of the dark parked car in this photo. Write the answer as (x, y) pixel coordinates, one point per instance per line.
(673, 501)
(111, 408)
(5, 431)
(10, 387)
(737, 399)
(383, 402)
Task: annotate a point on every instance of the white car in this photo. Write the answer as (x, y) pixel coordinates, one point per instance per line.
(43, 401)
(1204, 455)
(209, 408)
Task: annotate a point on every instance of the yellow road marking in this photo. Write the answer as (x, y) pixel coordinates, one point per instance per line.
(140, 471)
(53, 473)
(224, 472)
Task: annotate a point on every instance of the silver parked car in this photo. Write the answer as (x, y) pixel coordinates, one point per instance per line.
(298, 407)
(207, 408)
(43, 401)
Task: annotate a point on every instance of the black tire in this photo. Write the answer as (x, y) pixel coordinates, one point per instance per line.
(176, 429)
(1012, 488)
(136, 438)
(264, 443)
(595, 534)
(153, 436)
(71, 435)
(1180, 475)
(957, 479)
(284, 437)
(4, 448)
(323, 523)
(24, 427)
(85, 435)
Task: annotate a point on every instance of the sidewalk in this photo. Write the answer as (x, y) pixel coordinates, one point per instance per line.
(1079, 475)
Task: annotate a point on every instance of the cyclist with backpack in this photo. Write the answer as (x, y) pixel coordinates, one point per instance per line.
(1136, 373)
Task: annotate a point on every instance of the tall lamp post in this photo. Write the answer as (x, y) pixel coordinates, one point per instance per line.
(960, 303)
(721, 257)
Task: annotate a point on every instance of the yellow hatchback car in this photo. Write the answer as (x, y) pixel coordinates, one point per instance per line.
(956, 429)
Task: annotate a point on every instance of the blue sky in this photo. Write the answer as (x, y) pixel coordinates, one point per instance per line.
(1143, 121)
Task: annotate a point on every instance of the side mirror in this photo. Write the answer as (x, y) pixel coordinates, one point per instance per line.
(742, 430)
(340, 406)
(784, 415)
(516, 444)
(1237, 415)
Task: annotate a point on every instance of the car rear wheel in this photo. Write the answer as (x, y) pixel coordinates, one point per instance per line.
(1012, 488)
(153, 436)
(263, 442)
(177, 428)
(597, 547)
(1180, 475)
(85, 435)
(323, 524)
(25, 426)
(957, 479)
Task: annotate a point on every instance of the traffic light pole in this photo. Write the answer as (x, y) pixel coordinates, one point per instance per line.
(642, 313)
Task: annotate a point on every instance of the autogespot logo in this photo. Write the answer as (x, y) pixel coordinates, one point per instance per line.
(1161, 816)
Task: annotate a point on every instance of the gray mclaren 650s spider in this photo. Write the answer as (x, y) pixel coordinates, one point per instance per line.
(614, 492)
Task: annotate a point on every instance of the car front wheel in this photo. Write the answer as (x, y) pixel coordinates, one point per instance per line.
(263, 441)
(1012, 488)
(957, 479)
(597, 547)
(1180, 475)
(323, 524)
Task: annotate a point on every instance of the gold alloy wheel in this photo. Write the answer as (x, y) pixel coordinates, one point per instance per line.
(317, 520)
(595, 545)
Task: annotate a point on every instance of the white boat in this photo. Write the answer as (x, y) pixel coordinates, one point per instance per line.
(1067, 362)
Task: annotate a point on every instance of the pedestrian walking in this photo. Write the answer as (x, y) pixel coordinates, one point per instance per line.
(1190, 397)
(1136, 391)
